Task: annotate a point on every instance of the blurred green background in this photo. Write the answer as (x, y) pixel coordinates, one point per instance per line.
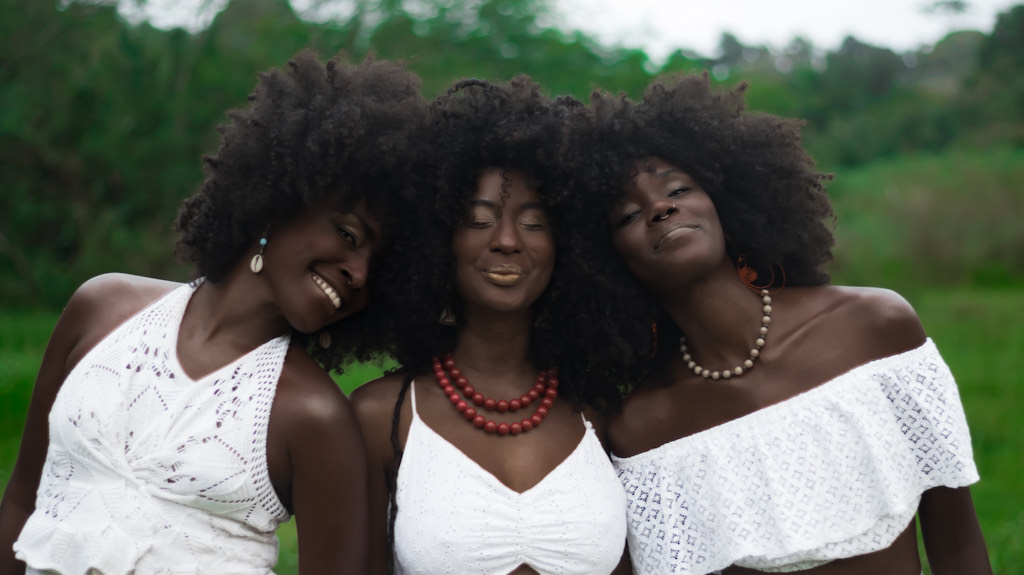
(102, 124)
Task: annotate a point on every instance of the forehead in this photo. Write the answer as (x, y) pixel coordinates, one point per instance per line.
(655, 170)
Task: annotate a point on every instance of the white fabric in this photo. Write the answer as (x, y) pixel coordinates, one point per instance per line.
(149, 471)
(455, 517)
(834, 472)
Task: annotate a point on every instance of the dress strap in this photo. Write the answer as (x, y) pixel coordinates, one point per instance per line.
(412, 398)
(586, 422)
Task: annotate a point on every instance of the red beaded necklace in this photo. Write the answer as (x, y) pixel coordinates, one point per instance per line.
(544, 392)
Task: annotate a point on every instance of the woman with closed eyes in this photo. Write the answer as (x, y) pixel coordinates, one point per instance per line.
(484, 455)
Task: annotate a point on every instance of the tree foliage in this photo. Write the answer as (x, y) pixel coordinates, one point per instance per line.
(102, 123)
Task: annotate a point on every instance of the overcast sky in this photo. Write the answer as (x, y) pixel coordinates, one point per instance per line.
(662, 26)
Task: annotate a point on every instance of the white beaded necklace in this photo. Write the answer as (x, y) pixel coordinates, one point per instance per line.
(747, 365)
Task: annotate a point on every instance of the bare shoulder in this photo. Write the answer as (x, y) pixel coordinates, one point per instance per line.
(115, 297)
(871, 322)
(104, 302)
(132, 287)
(374, 403)
(307, 396)
(313, 437)
(629, 429)
(376, 399)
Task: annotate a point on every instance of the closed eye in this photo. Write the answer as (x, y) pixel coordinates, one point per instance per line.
(478, 223)
(628, 217)
(679, 191)
(534, 221)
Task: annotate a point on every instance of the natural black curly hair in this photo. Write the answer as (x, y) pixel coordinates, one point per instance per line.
(770, 200)
(474, 126)
(512, 125)
(310, 130)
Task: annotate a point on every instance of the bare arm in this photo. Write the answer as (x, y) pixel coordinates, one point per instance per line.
(20, 497)
(326, 468)
(374, 404)
(951, 533)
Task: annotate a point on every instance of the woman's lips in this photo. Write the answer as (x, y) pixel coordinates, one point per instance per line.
(504, 275)
(672, 233)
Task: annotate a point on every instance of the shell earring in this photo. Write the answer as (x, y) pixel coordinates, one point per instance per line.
(325, 339)
(256, 265)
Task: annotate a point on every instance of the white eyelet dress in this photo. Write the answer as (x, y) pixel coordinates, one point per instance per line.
(835, 472)
(149, 471)
(455, 517)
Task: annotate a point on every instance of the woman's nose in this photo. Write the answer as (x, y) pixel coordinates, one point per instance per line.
(506, 237)
(662, 211)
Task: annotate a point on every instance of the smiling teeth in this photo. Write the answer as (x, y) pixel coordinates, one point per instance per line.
(327, 289)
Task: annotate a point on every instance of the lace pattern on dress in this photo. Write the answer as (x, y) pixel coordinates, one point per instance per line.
(149, 471)
(834, 472)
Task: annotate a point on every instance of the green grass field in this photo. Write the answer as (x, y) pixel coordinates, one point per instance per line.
(949, 219)
(973, 329)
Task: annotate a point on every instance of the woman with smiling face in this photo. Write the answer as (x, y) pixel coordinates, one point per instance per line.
(174, 427)
(484, 457)
(783, 424)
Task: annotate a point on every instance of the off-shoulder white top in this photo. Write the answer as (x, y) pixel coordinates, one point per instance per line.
(837, 471)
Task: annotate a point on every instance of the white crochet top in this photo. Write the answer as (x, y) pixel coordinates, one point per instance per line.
(834, 472)
(149, 471)
(455, 517)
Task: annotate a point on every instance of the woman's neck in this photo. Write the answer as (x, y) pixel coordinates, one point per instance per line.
(235, 308)
(719, 318)
(494, 351)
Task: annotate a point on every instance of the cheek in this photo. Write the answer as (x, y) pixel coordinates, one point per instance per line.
(467, 246)
(463, 278)
(545, 252)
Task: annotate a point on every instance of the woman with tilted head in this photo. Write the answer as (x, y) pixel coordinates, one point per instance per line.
(782, 424)
(174, 427)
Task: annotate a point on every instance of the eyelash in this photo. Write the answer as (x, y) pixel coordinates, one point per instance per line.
(529, 225)
(627, 218)
(349, 236)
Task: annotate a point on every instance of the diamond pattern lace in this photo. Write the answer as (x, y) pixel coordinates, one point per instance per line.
(149, 471)
(837, 471)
